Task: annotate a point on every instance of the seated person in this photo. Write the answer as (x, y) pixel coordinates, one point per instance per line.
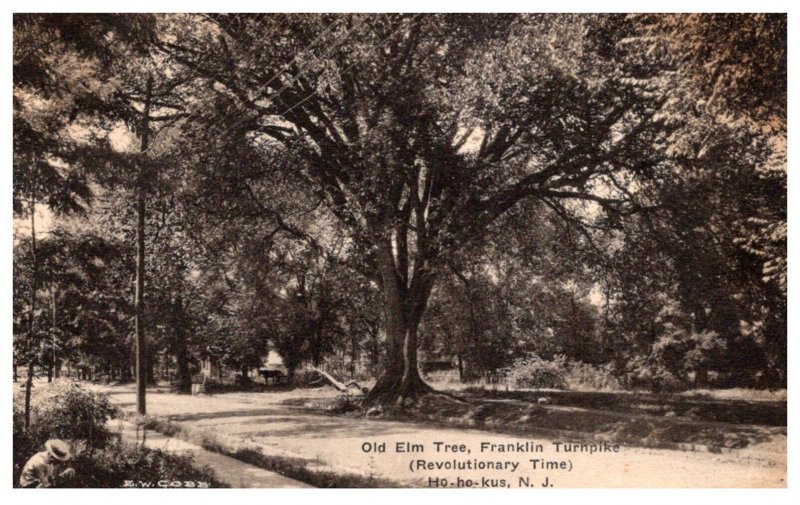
(44, 468)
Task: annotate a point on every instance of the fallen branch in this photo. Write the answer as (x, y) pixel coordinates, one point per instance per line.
(335, 383)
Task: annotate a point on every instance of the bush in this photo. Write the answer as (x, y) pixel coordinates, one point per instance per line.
(117, 463)
(676, 357)
(534, 372)
(647, 373)
(67, 411)
(586, 377)
(683, 351)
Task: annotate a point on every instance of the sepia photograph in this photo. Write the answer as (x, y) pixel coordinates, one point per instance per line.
(398, 250)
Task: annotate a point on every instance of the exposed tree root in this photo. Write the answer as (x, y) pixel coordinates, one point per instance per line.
(398, 392)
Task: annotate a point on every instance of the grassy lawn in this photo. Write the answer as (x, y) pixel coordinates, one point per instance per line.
(689, 421)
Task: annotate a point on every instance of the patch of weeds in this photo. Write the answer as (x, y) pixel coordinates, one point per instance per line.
(165, 427)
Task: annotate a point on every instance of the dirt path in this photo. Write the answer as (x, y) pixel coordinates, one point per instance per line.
(258, 420)
(229, 470)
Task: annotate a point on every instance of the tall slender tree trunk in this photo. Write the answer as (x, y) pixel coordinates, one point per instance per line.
(53, 370)
(353, 356)
(474, 324)
(374, 350)
(141, 360)
(184, 373)
(181, 350)
(152, 361)
(34, 268)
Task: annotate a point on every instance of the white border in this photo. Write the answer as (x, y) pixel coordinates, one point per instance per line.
(293, 497)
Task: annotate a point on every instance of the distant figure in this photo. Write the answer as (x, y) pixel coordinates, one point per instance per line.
(268, 374)
(46, 467)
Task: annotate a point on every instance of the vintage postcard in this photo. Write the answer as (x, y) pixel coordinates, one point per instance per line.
(399, 250)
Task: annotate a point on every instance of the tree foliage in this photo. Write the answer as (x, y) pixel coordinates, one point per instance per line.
(609, 188)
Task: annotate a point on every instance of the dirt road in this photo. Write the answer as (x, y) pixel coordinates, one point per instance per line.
(422, 455)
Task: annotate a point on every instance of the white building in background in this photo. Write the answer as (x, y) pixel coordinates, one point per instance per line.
(211, 369)
(273, 361)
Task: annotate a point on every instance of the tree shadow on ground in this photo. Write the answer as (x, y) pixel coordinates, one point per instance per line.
(295, 423)
(224, 414)
(322, 427)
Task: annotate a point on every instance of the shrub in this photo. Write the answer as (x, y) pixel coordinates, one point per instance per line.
(534, 372)
(682, 351)
(119, 462)
(676, 356)
(647, 373)
(587, 377)
(65, 410)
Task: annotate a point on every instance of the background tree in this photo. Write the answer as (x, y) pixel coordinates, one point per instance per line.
(724, 206)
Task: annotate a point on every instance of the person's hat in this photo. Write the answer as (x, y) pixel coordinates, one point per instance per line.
(58, 449)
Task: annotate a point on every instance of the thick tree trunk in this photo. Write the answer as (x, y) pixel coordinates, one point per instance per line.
(401, 382)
